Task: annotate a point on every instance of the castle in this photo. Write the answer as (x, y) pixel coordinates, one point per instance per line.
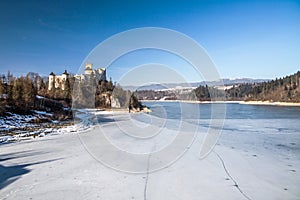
(99, 74)
(57, 81)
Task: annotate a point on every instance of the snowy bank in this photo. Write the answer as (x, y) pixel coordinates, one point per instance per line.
(270, 103)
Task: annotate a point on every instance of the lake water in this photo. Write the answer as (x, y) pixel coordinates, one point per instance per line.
(238, 118)
(178, 110)
(275, 129)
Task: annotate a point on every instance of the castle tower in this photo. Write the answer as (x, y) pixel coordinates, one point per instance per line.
(65, 75)
(88, 69)
(64, 78)
(51, 80)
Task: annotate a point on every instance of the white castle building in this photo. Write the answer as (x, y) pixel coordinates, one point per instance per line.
(59, 80)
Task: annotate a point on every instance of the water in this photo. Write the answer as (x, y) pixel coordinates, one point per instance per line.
(256, 128)
(178, 110)
(237, 118)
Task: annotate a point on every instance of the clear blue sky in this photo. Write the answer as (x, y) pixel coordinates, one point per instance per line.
(256, 39)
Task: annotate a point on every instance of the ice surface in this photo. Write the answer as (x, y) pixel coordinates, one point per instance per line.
(254, 159)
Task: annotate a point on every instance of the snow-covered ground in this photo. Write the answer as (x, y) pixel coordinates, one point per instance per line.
(12, 121)
(253, 159)
(15, 127)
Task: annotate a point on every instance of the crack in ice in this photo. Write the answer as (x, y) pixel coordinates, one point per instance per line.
(232, 179)
(147, 174)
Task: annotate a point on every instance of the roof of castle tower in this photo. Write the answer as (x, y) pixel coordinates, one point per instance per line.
(52, 74)
(66, 73)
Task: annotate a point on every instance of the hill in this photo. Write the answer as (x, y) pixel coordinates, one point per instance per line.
(286, 89)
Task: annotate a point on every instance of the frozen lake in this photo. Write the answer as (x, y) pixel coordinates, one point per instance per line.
(156, 156)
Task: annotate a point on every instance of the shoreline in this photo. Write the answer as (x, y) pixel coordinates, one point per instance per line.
(192, 101)
(266, 103)
(276, 103)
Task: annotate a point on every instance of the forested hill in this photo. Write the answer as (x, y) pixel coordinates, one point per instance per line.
(285, 89)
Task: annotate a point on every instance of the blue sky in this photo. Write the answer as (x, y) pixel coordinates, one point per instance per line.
(256, 39)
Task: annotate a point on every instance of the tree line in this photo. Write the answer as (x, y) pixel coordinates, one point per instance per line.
(286, 89)
(26, 93)
(18, 94)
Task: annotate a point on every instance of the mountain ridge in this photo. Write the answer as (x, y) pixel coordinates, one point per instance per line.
(224, 81)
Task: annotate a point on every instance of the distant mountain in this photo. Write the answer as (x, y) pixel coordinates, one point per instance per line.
(164, 86)
(242, 80)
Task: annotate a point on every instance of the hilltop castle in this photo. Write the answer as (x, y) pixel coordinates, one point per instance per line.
(99, 74)
(57, 81)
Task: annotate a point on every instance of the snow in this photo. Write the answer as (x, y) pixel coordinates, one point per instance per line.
(39, 97)
(18, 126)
(15, 121)
(42, 113)
(254, 159)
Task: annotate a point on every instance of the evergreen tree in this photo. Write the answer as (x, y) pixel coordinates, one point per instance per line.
(29, 93)
(10, 100)
(17, 93)
(110, 86)
(42, 88)
(2, 100)
(1, 88)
